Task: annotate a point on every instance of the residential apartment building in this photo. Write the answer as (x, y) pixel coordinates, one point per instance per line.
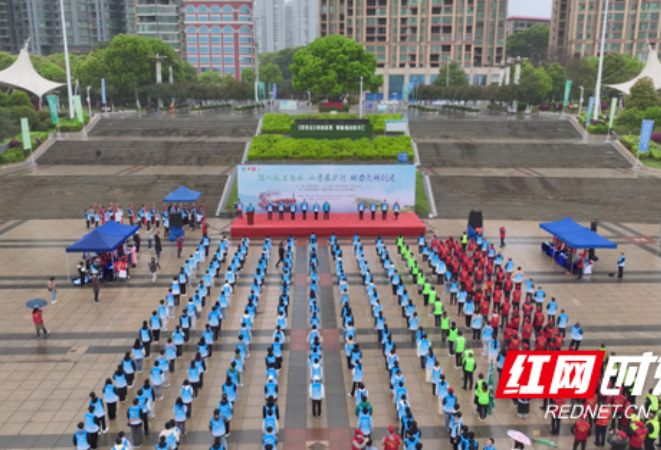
(161, 19)
(88, 22)
(576, 28)
(304, 21)
(520, 23)
(270, 25)
(219, 35)
(289, 31)
(411, 39)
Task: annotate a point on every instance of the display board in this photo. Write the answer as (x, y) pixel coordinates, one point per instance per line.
(343, 186)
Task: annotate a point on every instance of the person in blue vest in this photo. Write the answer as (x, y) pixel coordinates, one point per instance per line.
(317, 394)
(181, 414)
(270, 440)
(80, 439)
(384, 209)
(327, 208)
(292, 210)
(373, 209)
(576, 336)
(239, 208)
(361, 210)
(92, 427)
(250, 208)
(304, 209)
(218, 427)
(395, 209)
(315, 209)
(135, 416)
(269, 211)
(621, 262)
(217, 445)
(281, 210)
(271, 389)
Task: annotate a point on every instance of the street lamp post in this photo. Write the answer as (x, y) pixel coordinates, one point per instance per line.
(89, 103)
(580, 102)
(597, 90)
(66, 58)
(360, 101)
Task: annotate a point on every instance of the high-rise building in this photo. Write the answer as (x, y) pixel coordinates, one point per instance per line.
(88, 22)
(305, 21)
(219, 35)
(161, 19)
(411, 39)
(521, 23)
(270, 25)
(289, 31)
(576, 28)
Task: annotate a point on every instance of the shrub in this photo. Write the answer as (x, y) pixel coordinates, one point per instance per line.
(41, 126)
(249, 107)
(521, 106)
(544, 107)
(631, 143)
(382, 148)
(497, 108)
(322, 108)
(557, 106)
(203, 108)
(19, 112)
(281, 123)
(49, 123)
(423, 108)
(11, 156)
(460, 108)
(43, 114)
(19, 98)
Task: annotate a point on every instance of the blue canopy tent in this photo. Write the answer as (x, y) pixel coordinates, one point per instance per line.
(182, 195)
(576, 235)
(102, 240)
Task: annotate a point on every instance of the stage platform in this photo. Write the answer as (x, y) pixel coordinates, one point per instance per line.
(342, 224)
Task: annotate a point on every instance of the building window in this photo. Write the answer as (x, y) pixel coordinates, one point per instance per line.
(215, 9)
(244, 49)
(244, 18)
(216, 39)
(191, 30)
(204, 39)
(204, 59)
(227, 9)
(204, 49)
(227, 18)
(244, 9)
(229, 59)
(217, 59)
(202, 18)
(203, 9)
(228, 39)
(244, 30)
(215, 17)
(229, 70)
(190, 17)
(245, 60)
(191, 39)
(192, 59)
(228, 50)
(228, 30)
(191, 49)
(216, 49)
(244, 39)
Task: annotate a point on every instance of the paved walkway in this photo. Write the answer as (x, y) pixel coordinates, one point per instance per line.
(44, 385)
(540, 172)
(62, 170)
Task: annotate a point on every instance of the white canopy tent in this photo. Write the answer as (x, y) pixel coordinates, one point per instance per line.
(22, 75)
(651, 70)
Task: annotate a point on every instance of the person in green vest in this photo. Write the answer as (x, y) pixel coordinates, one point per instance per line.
(483, 396)
(652, 422)
(400, 243)
(452, 338)
(420, 281)
(464, 241)
(468, 366)
(445, 324)
(437, 306)
(459, 348)
(652, 402)
(426, 290)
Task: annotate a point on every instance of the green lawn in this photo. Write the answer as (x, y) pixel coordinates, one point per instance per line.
(234, 195)
(421, 201)
(651, 162)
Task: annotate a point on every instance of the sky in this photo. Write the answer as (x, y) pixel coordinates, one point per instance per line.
(532, 8)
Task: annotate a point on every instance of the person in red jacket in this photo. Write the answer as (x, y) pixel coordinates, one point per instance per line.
(527, 308)
(497, 297)
(488, 288)
(484, 309)
(516, 298)
(538, 323)
(479, 276)
(504, 311)
(549, 330)
(526, 333)
(540, 343)
(38, 321)
(500, 277)
(508, 285)
(391, 440)
(555, 343)
(514, 343)
(582, 431)
(515, 321)
(637, 439)
(495, 320)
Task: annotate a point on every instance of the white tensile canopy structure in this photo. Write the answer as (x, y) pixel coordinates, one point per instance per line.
(22, 75)
(651, 70)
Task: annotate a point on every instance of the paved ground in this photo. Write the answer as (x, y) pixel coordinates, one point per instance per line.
(221, 124)
(500, 128)
(45, 384)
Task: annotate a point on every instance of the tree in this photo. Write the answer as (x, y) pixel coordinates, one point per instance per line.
(18, 98)
(283, 58)
(457, 75)
(6, 60)
(642, 95)
(333, 65)
(8, 127)
(618, 68)
(129, 63)
(89, 70)
(532, 43)
(248, 75)
(558, 81)
(270, 73)
(534, 84)
(211, 77)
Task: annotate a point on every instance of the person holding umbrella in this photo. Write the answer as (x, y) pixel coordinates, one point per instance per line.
(37, 318)
(520, 439)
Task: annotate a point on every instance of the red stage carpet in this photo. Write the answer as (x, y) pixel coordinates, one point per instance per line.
(342, 224)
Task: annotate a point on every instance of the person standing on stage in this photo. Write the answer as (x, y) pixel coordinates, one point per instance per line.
(304, 209)
(292, 210)
(315, 208)
(373, 210)
(269, 211)
(281, 210)
(361, 210)
(395, 209)
(239, 208)
(327, 209)
(384, 209)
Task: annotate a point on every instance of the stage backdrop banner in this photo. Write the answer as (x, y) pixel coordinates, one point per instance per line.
(343, 186)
